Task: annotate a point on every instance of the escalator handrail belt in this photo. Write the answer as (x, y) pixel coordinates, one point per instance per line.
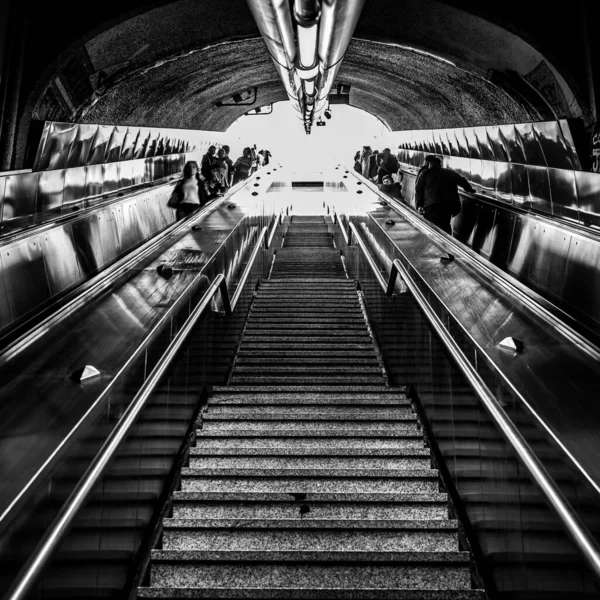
(575, 529)
(240, 286)
(55, 534)
(380, 278)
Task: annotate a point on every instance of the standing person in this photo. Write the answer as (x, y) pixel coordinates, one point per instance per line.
(229, 164)
(388, 164)
(364, 160)
(357, 166)
(215, 185)
(207, 162)
(242, 166)
(436, 193)
(254, 158)
(373, 165)
(189, 190)
(267, 156)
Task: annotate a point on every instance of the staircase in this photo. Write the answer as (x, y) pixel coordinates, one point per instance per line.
(310, 477)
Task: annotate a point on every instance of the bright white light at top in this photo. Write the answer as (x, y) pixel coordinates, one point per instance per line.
(348, 130)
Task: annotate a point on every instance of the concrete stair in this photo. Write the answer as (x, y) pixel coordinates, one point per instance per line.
(310, 477)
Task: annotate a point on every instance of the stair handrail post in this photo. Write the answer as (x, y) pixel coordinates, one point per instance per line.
(246, 273)
(574, 527)
(60, 526)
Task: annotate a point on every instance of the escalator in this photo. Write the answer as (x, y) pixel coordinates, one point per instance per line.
(312, 440)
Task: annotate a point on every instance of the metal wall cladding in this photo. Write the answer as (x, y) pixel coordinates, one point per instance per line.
(556, 262)
(80, 149)
(35, 270)
(51, 188)
(562, 193)
(74, 190)
(54, 152)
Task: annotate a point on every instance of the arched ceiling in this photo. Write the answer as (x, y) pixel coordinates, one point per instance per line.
(413, 63)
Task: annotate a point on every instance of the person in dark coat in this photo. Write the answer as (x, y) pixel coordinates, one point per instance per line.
(373, 165)
(357, 165)
(388, 165)
(207, 162)
(436, 193)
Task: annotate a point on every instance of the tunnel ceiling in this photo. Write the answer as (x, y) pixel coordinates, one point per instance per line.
(168, 64)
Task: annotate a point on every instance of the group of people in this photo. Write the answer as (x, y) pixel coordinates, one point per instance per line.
(215, 175)
(382, 168)
(436, 188)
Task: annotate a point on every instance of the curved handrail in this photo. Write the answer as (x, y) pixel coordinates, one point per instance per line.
(278, 220)
(573, 526)
(60, 526)
(378, 275)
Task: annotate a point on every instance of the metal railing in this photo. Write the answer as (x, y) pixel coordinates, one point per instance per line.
(573, 526)
(59, 528)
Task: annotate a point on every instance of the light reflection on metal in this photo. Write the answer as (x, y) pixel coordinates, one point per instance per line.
(323, 32)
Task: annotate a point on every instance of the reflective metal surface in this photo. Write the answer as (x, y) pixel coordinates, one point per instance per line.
(105, 333)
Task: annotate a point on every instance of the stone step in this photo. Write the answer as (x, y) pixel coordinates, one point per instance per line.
(289, 535)
(308, 462)
(307, 355)
(308, 593)
(303, 481)
(299, 345)
(282, 326)
(341, 570)
(309, 413)
(338, 440)
(283, 335)
(308, 379)
(303, 398)
(294, 389)
(313, 425)
(323, 369)
(307, 321)
(296, 453)
(286, 414)
(191, 505)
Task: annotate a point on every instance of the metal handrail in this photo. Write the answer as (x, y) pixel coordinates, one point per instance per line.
(336, 219)
(278, 220)
(378, 275)
(60, 526)
(573, 526)
(240, 286)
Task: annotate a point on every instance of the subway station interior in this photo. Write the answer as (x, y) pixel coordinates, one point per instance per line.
(301, 388)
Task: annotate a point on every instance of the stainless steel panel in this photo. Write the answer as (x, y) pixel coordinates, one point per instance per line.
(88, 247)
(553, 145)
(131, 234)
(485, 147)
(548, 269)
(565, 130)
(461, 165)
(112, 177)
(97, 154)
(148, 170)
(25, 276)
(563, 193)
(519, 183)
(475, 176)
(524, 247)
(588, 197)
(57, 144)
(141, 145)
(512, 144)
(488, 176)
(152, 145)
(2, 189)
(60, 258)
(138, 170)
(115, 144)
(129, 143)
(5, 313)
(52, 185)
(149, 221)
(74, 185)
(503, 181)
(158, 168)
(481, 240)
(436, 142)
(504, 225)
(80, 149)
(472, 141)
(109, 234)
(531, 145)
(581, 288)
(461, 143)
(539, 187)
(94, 179)
(463, 225)
(20, 196)
(496, 144)
(125, 174)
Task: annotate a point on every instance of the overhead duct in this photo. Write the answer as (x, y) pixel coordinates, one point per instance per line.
(307, 44)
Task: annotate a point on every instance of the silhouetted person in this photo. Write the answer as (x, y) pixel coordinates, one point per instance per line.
(189, 190)
(364, 160)
(228, 162)
(357, 166)
(388, 164)
(436, 193)
(373, 165)
(242, 166)
(207, 162)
